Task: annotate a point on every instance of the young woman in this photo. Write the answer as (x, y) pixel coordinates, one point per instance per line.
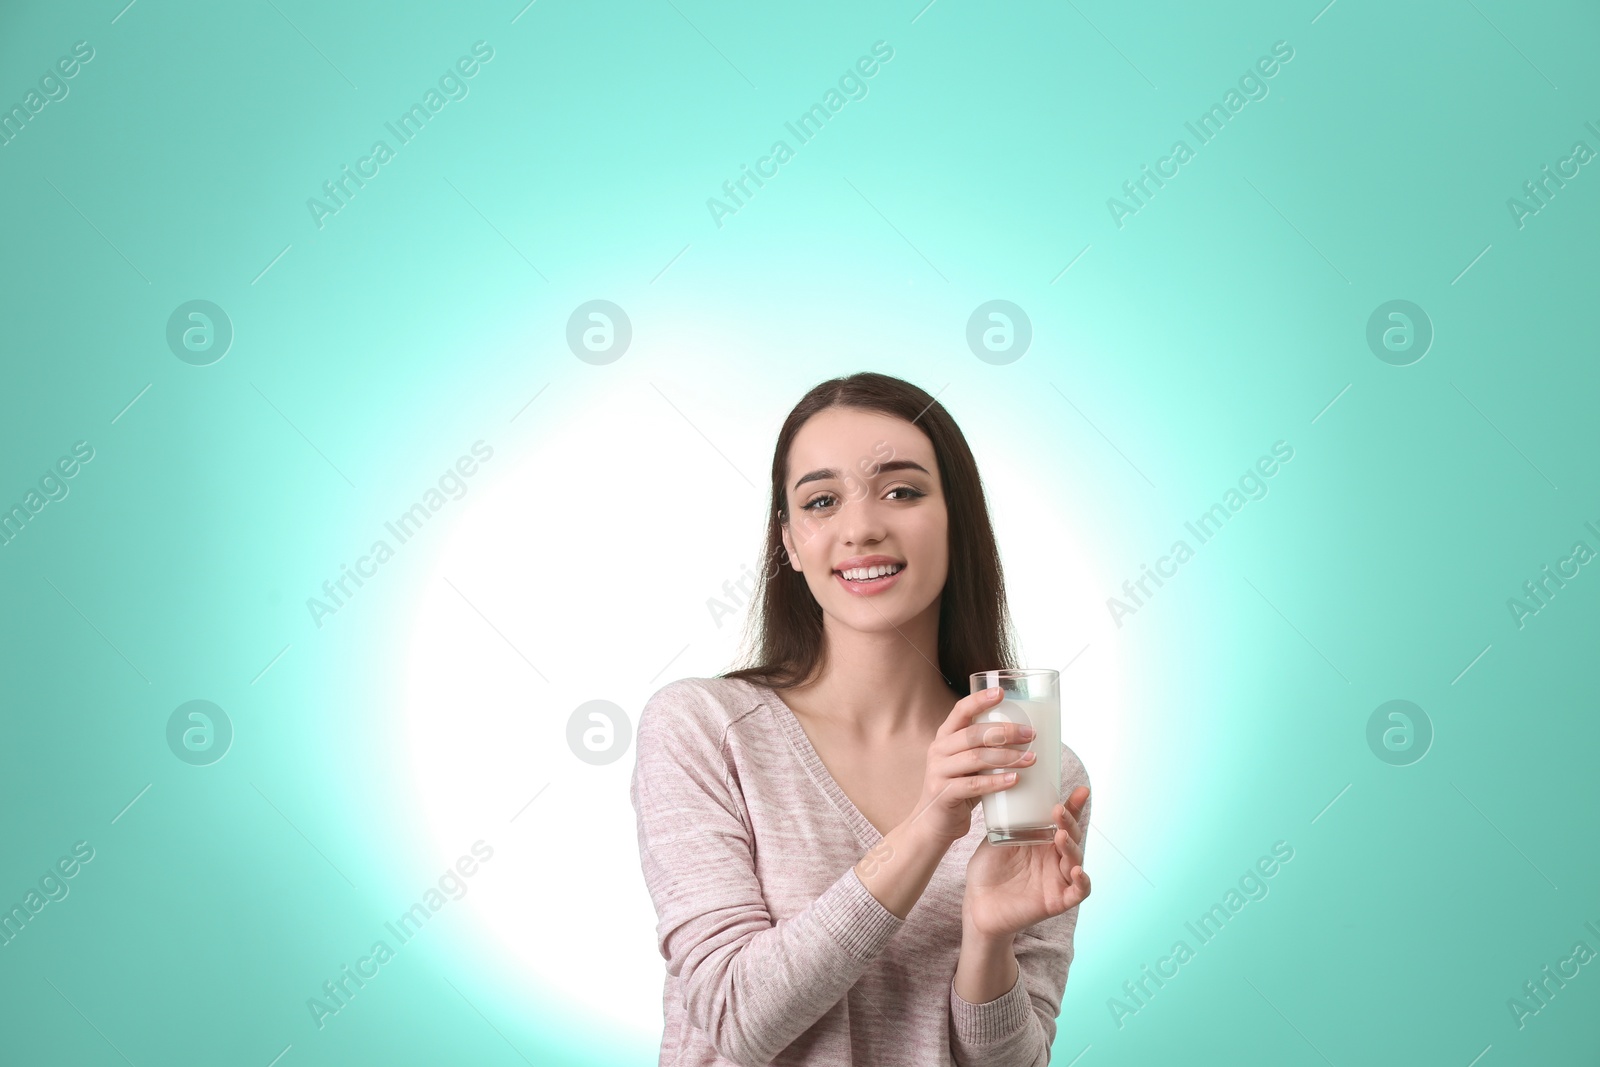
(825, 893)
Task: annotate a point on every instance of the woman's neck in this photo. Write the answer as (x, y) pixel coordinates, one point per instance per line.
(880, 684)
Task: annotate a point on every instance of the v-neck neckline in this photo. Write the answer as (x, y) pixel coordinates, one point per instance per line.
(796, 732)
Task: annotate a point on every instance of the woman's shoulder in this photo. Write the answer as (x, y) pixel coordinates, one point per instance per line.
(708, 701)
(691, 718)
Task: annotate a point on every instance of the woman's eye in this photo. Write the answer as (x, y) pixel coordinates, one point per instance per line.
(827, 499)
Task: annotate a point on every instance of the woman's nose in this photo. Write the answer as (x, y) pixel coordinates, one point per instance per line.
(862, 521)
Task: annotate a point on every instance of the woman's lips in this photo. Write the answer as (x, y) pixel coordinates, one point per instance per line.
(869, 588)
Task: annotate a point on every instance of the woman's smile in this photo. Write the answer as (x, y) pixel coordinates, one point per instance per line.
(869, 576)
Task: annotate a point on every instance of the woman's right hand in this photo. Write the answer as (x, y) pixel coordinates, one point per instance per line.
(952, 784)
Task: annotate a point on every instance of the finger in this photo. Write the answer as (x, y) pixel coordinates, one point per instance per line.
(1066, 823)
(969, 786)
(998, 733)
(1077, 890)
(1076, 801)
(1071, 861)
(1069, 822)
(989, 783)
(966, 709)
(978, 760)
(981, 736)
(1070, 853)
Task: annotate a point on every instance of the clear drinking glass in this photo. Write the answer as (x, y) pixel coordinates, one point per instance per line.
(1024, 813)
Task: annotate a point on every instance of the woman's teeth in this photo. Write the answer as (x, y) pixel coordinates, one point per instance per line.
(866, 574)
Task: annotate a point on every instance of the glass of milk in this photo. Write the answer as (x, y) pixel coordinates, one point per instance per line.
(1024, 814)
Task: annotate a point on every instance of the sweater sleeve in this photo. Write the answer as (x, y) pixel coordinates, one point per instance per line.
(753, 986)
(1018, 1028)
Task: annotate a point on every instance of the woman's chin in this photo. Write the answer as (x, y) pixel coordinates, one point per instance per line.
(885, 614)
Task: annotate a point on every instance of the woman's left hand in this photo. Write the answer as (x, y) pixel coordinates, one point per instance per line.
(1011, 887)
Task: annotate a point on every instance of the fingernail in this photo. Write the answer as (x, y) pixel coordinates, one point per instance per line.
(992, 691)
(1027, 732)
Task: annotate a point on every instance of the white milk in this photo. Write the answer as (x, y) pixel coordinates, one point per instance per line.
(1032, 800)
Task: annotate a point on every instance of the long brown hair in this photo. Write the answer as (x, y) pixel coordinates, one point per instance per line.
(975, 628)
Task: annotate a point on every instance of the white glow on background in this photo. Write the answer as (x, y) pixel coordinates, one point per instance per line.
(592, 548)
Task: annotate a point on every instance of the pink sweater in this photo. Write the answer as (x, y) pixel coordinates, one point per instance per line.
(775, 952)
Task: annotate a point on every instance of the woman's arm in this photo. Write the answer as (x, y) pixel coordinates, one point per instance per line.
(752, 985)
(899, 867)
(986, 969)
(1006, 993)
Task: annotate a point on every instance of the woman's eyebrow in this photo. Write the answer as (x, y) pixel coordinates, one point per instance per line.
(891, 465)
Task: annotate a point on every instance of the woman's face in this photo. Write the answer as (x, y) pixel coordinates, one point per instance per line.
(862, 485)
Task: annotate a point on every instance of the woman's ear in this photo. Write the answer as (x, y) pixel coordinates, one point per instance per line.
(788, 546)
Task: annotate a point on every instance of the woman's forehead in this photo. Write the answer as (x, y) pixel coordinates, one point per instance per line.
(844, 435)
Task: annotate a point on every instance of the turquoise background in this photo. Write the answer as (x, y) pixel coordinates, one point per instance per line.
(431, 311)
